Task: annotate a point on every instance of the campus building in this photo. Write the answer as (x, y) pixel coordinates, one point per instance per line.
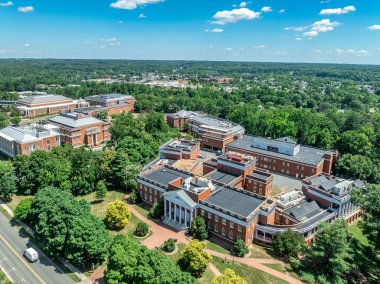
(112, 103)
(235, 198)
(80, 130)
(213, 133)
(39, 105)
(285, 156)
(23, 140)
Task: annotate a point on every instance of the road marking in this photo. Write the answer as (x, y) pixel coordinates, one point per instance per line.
(22, 260)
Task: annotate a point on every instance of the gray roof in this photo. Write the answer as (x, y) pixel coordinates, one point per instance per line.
(258, 175)
(234, 201)
(304, 211)
(165, 175)
(221, 177)
(70, 120)
(306, 155)
(108, 97)
(43, 99)
(217, 122)
(181, 194)
(27, 133)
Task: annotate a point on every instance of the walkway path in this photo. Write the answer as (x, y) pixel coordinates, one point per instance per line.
(161, 233)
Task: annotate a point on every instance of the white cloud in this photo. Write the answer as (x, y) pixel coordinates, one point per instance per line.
(344, 53)
(133, 4)
(311, 33)
(87, 42)
(260, 46)
(26, 44)
(316, 51)
(142, 16)
(298, 38)
(25, 9)
(207, 30)
(217, 30)
(282, 11)
(120, 22)
(111, 41)
(378, 49)
(338, 11)
(6, 4)
(228, 49)
(243, 4)
(266, 9)
(233, 16)
(362, 52)
(374, 27)
(297, 29)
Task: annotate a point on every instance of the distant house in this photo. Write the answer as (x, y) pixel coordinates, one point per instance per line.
(33, 106)
(23, 140)
(80, 130)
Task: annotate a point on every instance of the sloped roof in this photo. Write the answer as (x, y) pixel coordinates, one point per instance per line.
(181, 195)
(304, 210)
(17, 134)
(43, 99)
(70, 120)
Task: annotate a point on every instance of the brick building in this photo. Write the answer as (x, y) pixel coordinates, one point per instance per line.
(213, 133)
(178, 149)
(23, 140)
(33, 106)
(285, 156)
(80, 130)
(112, 103)
(234, 198)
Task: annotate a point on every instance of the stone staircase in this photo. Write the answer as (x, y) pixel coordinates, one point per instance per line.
(170, 222)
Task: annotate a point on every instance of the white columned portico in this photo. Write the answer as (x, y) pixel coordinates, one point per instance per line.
(185, 217)
(170, 210)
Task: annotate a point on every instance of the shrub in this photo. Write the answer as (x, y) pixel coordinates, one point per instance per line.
(194, 259)
(157, 210)
(169, 245)
(239, 249)
(135, 197)
(142, 229)
(288, 244)
(117, 215)
(23, 208)
(101, 190)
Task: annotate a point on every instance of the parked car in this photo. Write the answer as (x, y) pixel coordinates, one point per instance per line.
(31, 254)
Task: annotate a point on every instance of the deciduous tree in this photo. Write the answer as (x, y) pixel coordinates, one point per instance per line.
(229, 277)
(117, 215)
(194, 259)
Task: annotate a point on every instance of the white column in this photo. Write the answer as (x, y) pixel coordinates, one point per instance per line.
(164, 208)
(185, 217)
(175, 212)
(170, 210)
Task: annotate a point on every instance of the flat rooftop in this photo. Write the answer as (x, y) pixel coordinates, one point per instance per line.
(221, 177)
(165, 175)
(71, 120)
(40, 99)
(108, 97)
(258, 175)
(304, 210)
(234, 201)
(306, 155)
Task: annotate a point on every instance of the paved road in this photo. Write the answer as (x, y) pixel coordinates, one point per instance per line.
(12, 246)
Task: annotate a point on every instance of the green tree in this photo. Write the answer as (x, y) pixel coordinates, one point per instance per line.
(7, 180)
(157, 210)
(83, 171)
(194, 259)
(135, 197)
(239, 249)
(229, 277)
(130, 262)
(369, 199)
(198, 228)
(330, 258)
(117, 215)
(357, 166)
(15, 120)
(142, 229)
(101, 190)
(353, 142)
(288, 244)
(23, 209)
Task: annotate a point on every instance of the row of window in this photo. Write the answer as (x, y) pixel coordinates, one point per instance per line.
(216, 218)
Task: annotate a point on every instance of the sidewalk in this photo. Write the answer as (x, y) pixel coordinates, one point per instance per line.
(68, 265)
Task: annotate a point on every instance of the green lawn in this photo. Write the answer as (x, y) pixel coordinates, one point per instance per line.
(217, 248)
(143, 209)
(259, 251)
(175, 257)
(251, 275)
(284, 269)
(364, 255)
(207, 277)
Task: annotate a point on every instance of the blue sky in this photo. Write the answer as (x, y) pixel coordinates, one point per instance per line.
(272, 30)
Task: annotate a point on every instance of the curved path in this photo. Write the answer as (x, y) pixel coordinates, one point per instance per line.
(161, 233)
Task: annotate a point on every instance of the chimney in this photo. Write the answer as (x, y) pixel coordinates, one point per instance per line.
(78, 116)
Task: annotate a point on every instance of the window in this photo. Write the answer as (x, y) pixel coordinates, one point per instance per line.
(216, 228)
(216, 218)
(150, 190)
(208, 225)
(202, 212)
(261, 191)
(286, 221)
(223, 231)
(238, 236)
(155, 192)
(150, 198)
(231, 234)
(209, 215)
(145, 196)
(239, 228)
(223, 221)
(231, 225)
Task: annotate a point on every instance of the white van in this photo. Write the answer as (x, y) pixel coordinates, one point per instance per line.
(31, 254)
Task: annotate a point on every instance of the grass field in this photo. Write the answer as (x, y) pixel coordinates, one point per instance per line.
(284, 269)
(251, 275)
(260, 251)
(217, 248)
(143, 209)
(16, 199)
(207, 277)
